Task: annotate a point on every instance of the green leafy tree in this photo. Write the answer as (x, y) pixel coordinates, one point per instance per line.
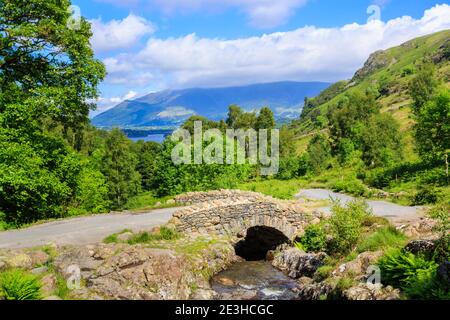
(266, 119)
(48, 74)
(423, 86)
(118, 166)
(433, 128)
(319, 152)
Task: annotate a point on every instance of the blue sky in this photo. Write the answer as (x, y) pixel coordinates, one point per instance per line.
(150, 45)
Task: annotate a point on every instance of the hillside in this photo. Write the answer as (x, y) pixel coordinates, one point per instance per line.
(390, 71)
(171, 108)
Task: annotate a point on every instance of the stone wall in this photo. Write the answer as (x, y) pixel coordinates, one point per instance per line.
(230, 212)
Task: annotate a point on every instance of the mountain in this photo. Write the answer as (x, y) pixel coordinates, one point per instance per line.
(173, 107)
(390, 71)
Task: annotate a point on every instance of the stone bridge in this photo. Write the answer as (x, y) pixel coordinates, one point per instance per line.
(232, 212)
(258, 218)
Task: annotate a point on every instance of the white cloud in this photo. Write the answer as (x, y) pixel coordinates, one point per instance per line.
(305, 54)
(105, 103)
(116, 34)
(261, 13)
(175, 112)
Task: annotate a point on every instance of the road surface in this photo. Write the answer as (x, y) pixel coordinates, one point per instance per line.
(389, 210)
(83, 230)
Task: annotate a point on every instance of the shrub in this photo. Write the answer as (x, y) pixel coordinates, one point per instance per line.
(441, 214)
(350, 185)
(384, 238)
(346, 225)
(314, 239)
(19, 285)
(426, 195)
(415, 275)
(164, 233)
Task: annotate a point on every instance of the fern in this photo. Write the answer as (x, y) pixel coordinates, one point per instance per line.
(19, 285)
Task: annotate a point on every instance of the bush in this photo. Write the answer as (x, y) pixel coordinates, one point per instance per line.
(346, 225)
(164, 233)
(314, 239)
(426, 195)
(441, 214)
(19, 285)
(350, 185)
(415, 275)
(384, 238)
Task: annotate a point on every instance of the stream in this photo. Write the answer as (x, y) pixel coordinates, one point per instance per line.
(254, 280)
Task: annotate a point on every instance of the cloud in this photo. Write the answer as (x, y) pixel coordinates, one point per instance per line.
(175, 112)
(260, 13)
(117, 34)
(105, 103)
(305, 54)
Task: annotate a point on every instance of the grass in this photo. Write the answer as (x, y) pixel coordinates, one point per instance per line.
(382, 239)
(281, 189)
(164, 233)
(147, 201)
(19, 285)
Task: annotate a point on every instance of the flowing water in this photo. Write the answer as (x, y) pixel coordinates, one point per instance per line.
(254, 280)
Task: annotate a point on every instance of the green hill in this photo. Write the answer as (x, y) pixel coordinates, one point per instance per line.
(390, 71)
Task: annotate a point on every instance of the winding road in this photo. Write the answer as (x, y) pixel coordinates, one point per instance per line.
(92, 229)
(83, 230)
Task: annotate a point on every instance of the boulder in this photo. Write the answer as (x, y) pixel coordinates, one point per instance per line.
(298, 263)
(48, 284)
(21, 260)
(425, 247)
(365, 291)
(39, 258)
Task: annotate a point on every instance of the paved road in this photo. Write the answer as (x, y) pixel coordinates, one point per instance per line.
(83, 230)
(392, 211)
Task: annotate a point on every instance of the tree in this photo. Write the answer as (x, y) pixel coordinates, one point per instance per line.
(266, 119)
(234, 114)
(48, 75)
(118, 166)
(432, 132)
(319, 152)
(147, 154)
(423, 86)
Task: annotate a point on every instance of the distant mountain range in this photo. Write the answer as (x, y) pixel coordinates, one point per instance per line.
(171, 108)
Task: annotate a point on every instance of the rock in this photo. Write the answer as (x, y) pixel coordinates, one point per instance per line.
(270, 255)
(426, 247)
(52, 298)
(170, 202)
(313, 291)
(358, 267)
(22, 261)
(79, 257)
(365, 291)
(224, 281)
(48, 284)
(444, 272)
(39, 258)
(298, 263)
(203, 294)
(124, 237)
(39, 270)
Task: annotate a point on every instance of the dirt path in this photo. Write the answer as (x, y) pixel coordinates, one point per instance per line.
(83, 230)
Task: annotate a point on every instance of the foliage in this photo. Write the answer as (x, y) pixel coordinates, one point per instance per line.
(441, 214)
(426, 195)
(386, 237)
(91, 194)
(319, 153)
(19, 285)
(314, 239)
(346, 225)
(415, 275)
(432, 131)
(349, 185)
(265, 119)
(164, 233)
(118, 166)
(423, 85)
